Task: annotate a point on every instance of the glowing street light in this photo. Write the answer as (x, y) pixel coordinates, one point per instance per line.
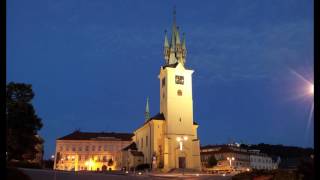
(185, 138)
(180, 140)
(230, 159)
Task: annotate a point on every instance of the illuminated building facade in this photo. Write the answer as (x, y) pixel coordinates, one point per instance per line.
(229, 158)
(169, 139)
(261, 161)
(89, 151)
(233, 158)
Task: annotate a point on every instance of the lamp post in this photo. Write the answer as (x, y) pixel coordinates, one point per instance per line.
(230, 159)
(180, 141)
(54, 169)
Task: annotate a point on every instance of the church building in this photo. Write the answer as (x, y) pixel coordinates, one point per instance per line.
(169, 139)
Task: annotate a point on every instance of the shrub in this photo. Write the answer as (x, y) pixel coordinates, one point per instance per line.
(212, 161)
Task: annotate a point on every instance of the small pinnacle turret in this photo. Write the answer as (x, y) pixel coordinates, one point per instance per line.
(176, 51)
(166, 47)
(147, 111)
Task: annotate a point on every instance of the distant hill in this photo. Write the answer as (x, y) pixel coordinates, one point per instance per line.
(281, 150)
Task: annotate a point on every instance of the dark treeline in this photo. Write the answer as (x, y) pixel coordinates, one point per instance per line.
(281, 150)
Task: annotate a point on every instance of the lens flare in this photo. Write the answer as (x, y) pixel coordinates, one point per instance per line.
(311, 89)
(307, 92)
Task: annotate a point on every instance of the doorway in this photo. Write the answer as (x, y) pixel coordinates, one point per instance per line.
(182, 162)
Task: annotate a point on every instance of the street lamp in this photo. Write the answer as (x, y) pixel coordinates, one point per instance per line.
(52, 158)
(180, 140)
(54, 176)
(230, 159)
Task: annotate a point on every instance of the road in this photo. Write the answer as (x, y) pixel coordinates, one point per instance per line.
(40, 174)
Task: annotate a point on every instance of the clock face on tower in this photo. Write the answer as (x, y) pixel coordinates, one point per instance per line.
(179, 80)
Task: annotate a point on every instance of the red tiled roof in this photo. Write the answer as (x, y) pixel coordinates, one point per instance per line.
(77, 135)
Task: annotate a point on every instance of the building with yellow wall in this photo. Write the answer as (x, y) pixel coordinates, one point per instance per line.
(90, 151)
(169, 139)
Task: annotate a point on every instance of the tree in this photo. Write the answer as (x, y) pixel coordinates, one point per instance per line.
(212, 161)
(22, 122)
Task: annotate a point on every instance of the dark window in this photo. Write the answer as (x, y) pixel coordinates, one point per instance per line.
(179, 80)
(141, 143)
(163, 82)
(179, 92)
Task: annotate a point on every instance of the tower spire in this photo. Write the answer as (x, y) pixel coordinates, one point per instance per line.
(183, 41)
(174, 15)
(166, 48)
(176, 51)
(174, 31)
(166, 43)
(147, 112)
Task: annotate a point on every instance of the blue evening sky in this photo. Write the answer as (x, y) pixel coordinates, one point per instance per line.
(92, 64)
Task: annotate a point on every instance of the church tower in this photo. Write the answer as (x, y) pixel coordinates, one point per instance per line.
(169, 140)
(176, 104)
